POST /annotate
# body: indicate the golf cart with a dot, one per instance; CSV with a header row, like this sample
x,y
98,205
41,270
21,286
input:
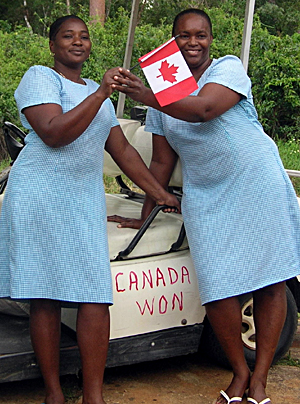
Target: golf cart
x,y
157,311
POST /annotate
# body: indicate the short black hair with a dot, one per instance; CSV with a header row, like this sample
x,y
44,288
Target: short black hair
x,y
55,26
197,11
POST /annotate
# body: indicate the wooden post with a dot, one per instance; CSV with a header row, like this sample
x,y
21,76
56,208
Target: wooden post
x,y
128,51
247,33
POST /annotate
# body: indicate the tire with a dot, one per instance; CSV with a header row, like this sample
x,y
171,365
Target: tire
x,y
212,348
294,286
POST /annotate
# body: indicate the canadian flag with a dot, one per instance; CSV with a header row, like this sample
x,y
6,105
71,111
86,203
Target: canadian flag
x,y
167,73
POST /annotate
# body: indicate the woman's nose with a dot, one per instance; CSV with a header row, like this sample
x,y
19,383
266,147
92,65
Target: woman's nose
x,y
77,40
193,40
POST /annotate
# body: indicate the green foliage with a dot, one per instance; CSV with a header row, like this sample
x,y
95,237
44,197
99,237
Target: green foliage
x,y
274,68
18,51
280,20
227,32
274,65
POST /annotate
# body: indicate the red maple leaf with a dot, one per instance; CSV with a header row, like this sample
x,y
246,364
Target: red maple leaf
x,y
168,72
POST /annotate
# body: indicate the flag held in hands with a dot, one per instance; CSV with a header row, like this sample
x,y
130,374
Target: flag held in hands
x,y
167,73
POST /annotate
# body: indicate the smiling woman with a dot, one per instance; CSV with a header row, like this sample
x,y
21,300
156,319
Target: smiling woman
x,y
240,210
53,241
70,46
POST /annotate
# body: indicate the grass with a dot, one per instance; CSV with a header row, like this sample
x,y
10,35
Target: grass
x,y
290,155
4,164
289,361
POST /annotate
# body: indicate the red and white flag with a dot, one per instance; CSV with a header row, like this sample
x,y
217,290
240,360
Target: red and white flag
x,y
167,73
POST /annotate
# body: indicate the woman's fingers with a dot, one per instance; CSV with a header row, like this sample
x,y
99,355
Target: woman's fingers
x,y
126,221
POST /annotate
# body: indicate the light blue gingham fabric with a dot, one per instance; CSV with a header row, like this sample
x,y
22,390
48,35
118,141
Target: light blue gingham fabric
x,y
240,209
53,241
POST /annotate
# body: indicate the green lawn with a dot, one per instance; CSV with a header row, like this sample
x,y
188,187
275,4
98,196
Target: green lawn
x,y
290,156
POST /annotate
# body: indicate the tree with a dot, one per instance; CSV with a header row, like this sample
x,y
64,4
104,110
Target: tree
x,y
97,10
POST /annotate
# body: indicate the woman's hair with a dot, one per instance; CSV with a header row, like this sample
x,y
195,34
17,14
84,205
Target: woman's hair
x,y
55,26
201,13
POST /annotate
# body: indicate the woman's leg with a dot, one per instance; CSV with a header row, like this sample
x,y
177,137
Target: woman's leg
x,y
45,336
93,337
225,318
269,315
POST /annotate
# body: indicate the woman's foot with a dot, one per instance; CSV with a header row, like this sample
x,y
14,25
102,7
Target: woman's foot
x,y
57,398
257,390
237,388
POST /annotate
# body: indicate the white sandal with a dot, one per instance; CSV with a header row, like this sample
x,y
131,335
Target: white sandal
x,y
231,400
251,400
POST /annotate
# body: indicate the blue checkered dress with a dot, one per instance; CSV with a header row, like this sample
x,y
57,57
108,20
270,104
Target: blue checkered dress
x,y
240,210
53,240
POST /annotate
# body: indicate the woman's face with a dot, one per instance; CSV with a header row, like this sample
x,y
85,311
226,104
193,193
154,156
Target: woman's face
x,y
72,44
194,39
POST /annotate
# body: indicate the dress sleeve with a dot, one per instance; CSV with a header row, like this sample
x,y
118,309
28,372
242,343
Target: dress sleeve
x,y
115,121
38,86
229,72
154,122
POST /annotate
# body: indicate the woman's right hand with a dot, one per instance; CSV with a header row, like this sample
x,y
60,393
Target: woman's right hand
x,y
126,221
131,85
106,87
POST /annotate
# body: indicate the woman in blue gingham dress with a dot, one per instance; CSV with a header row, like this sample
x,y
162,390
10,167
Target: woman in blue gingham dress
x,y
53,241
240,210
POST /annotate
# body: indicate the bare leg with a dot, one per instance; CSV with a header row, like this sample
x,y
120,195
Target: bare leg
x,y
45,337
269,315
225,318
93,337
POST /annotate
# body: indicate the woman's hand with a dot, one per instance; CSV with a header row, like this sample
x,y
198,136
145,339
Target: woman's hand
x,y
171,201
108,81
126,221
127,83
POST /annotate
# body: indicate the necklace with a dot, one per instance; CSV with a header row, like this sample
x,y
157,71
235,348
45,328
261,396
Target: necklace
x,y
80,81
57,71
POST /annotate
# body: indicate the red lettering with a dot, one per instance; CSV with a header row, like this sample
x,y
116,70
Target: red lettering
x,y
162,301
160,277
173,275
180,301
149,279
117,282
185,272
133,280
146,305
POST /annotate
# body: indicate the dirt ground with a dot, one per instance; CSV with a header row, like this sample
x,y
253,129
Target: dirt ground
x,y
182,380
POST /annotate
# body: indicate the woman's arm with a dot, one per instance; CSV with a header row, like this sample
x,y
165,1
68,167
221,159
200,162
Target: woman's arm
x,y
58,129
162,165
212,100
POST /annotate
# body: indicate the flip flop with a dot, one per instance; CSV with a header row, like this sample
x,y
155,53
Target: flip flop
x,y
251,400
230,400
